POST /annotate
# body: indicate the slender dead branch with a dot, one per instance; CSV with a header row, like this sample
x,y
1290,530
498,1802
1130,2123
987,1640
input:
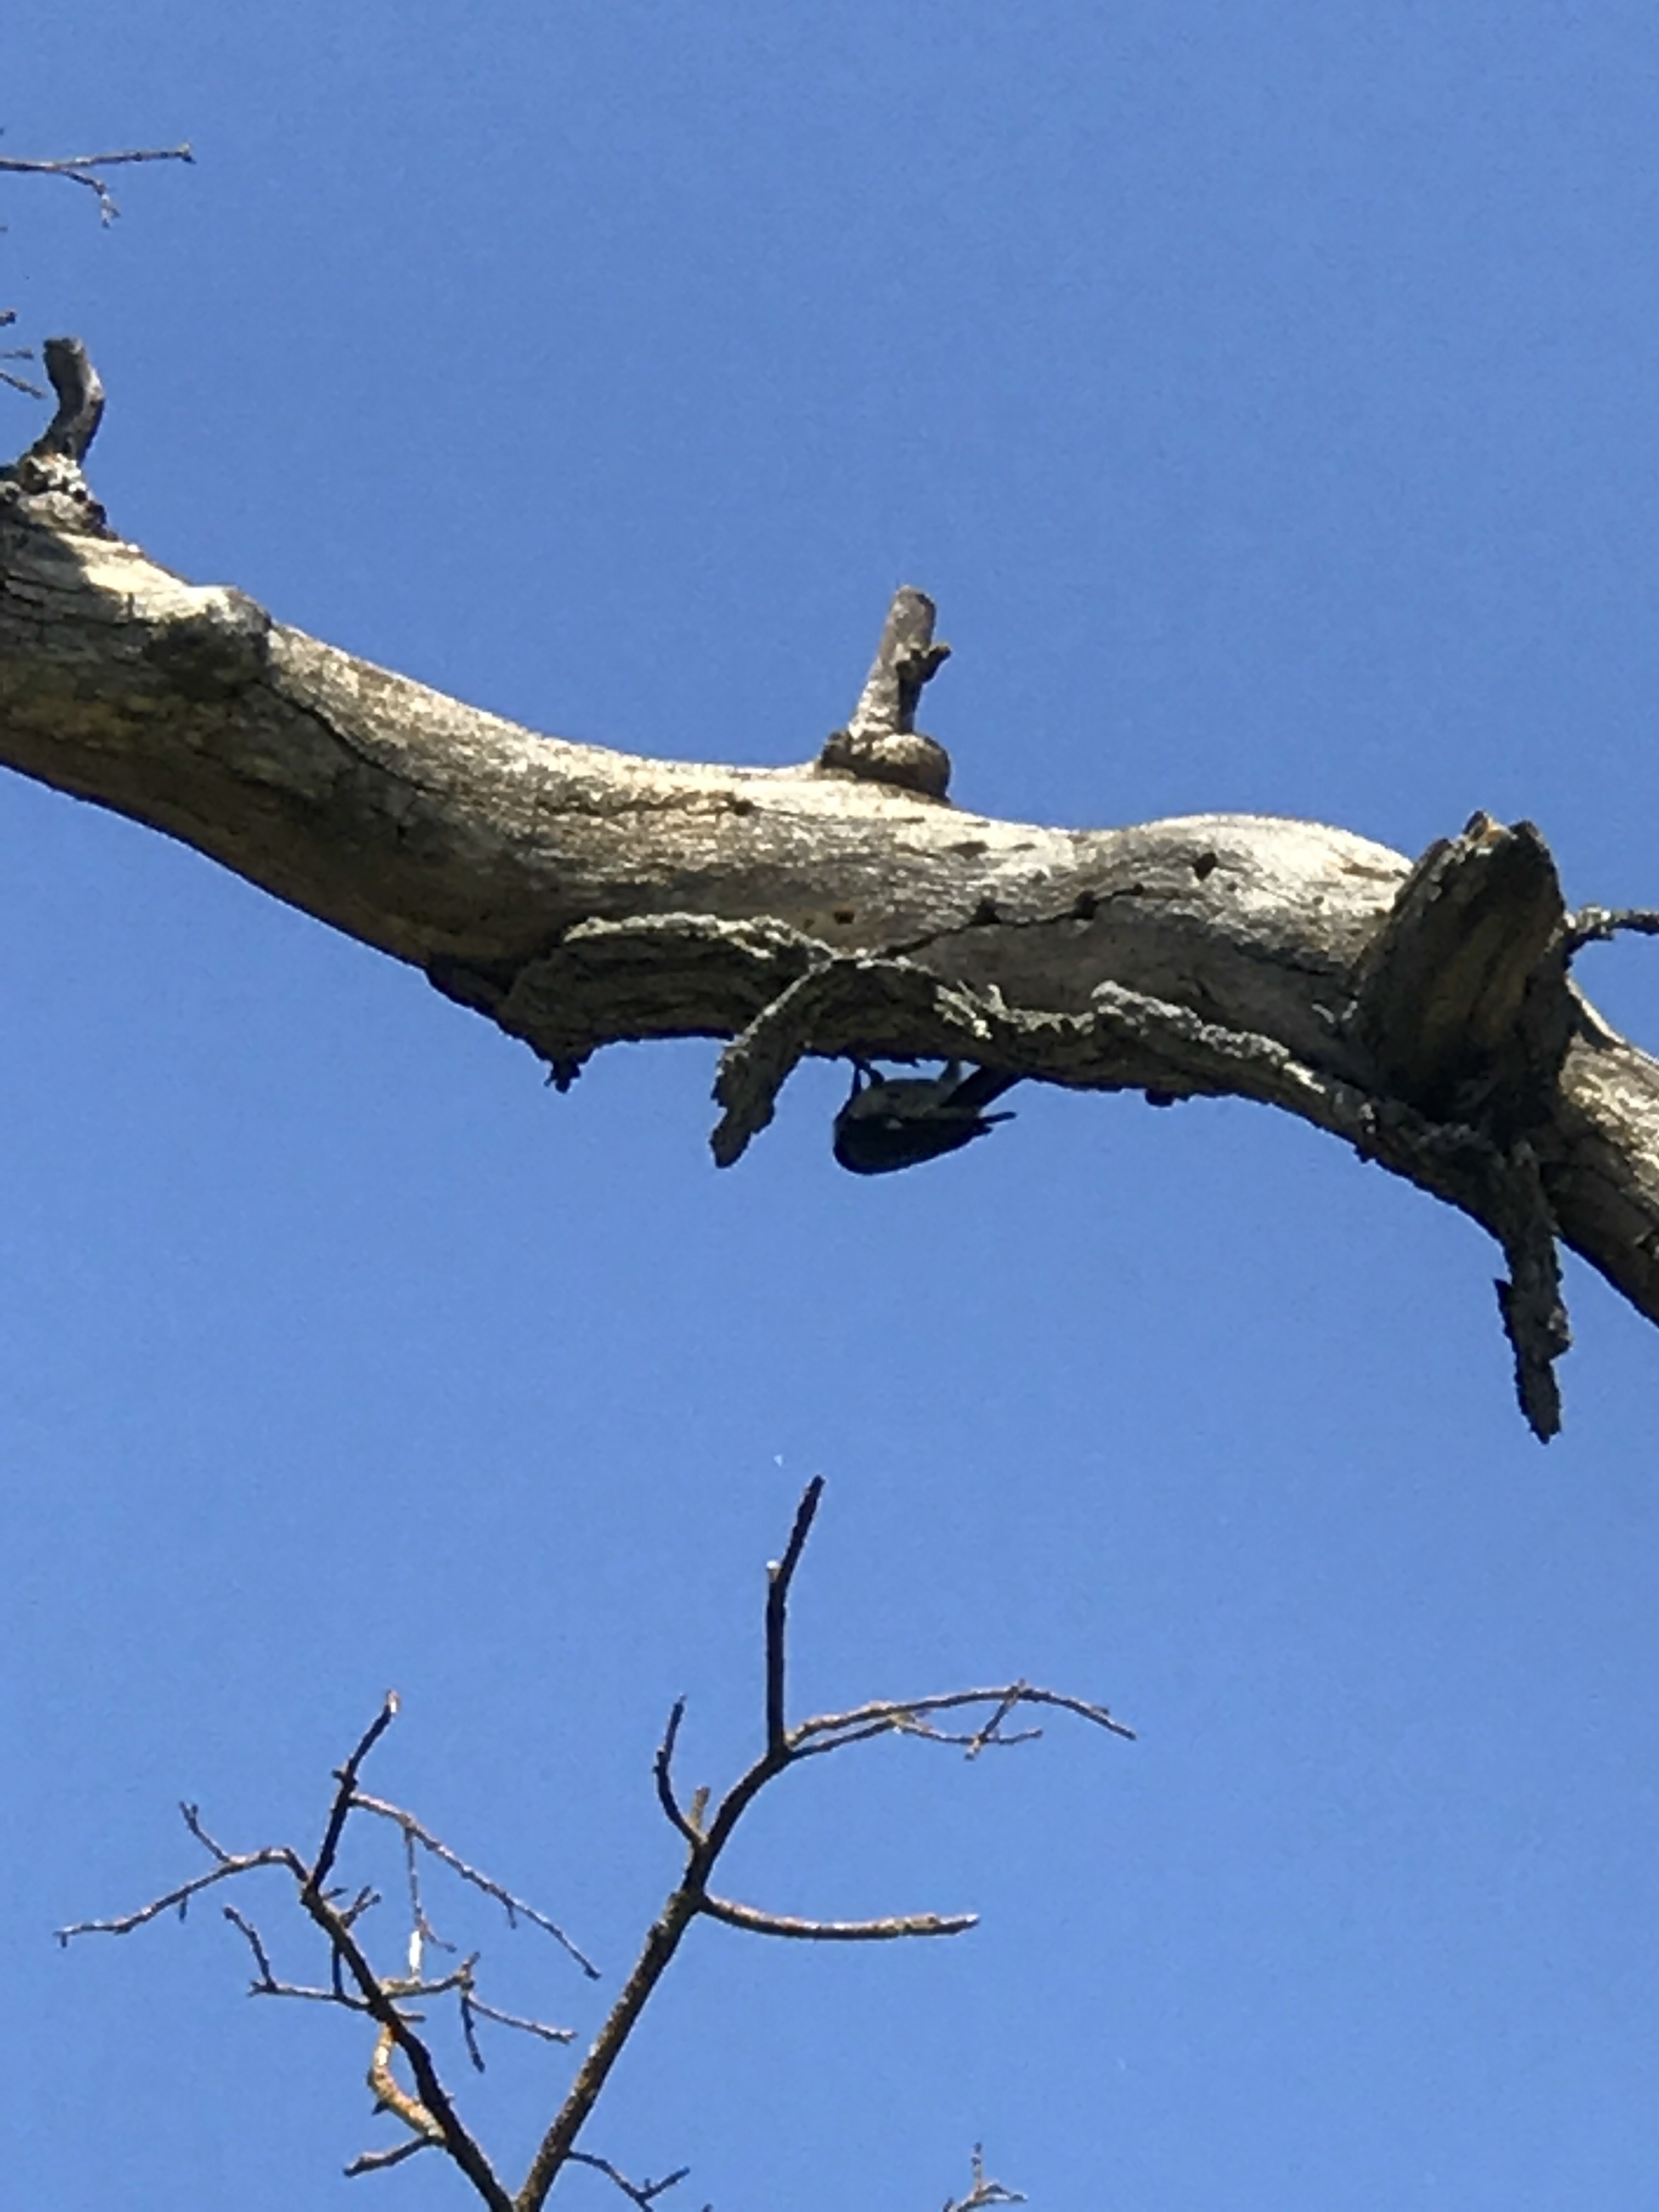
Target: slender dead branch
x,y
7,316
828,1730
525,2027
265,1981
836,1931
346,1775
662,1768
83,169
705,1836
377,2162
643,2193
779,1576
514,1907
984,2191
421,1930
178,1899
1600,925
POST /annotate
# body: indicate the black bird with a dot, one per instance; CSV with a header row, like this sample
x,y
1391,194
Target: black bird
x,y
892,1122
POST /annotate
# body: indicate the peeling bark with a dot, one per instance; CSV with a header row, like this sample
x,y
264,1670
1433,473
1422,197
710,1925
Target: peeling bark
x,y
578,897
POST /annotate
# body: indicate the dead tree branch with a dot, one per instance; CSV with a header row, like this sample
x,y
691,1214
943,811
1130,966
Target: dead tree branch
x,y
85,169
7,317
643,2193
705,1836
1424,1014
355,1985
983,2192
427,2112
78,169
514,1907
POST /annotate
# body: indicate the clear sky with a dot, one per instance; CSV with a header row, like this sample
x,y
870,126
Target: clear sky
x,y
1266,392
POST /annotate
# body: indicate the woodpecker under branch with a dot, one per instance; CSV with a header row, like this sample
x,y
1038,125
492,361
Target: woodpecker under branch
x,y
892,1123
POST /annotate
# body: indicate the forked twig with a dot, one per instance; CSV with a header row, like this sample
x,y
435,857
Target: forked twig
x,y
427,2113
705,1836
643,2193
514,1907
779,1576
983,2190
353,1984
82,169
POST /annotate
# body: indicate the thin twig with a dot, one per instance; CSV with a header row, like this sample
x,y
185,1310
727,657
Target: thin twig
x,y
273,1855
662,1768
887,1713
643,2193
539,2028
192,1817
346,1775
835,1931
17,353
1600,925
514,1907
421,1930
779,1576
81,169
267,1980
376,2161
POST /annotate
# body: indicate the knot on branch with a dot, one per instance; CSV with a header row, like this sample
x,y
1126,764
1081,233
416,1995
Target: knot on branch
x,y
881,743
1462,999
217,650
1463,1005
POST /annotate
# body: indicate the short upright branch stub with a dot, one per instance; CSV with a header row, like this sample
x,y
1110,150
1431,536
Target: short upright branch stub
x,y
881,743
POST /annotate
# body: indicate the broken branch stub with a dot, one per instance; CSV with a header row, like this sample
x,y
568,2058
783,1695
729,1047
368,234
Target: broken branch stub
x,y
881,743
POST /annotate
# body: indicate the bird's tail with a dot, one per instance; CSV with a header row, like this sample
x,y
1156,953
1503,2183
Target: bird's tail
x,y
978,1088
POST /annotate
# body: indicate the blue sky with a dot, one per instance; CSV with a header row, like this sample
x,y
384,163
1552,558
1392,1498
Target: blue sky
x,y
1266,395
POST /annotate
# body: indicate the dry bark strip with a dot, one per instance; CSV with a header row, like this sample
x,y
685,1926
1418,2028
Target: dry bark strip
x,y
579,896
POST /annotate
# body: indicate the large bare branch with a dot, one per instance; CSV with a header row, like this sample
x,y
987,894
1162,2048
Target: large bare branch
x,y
578,897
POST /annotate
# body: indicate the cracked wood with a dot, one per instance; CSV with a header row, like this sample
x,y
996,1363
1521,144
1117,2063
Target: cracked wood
x,y
579,896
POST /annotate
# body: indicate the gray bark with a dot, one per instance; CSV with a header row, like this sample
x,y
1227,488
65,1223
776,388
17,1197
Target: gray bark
x,y
578,897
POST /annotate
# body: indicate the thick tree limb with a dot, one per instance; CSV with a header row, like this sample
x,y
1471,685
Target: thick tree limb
x,y
578,897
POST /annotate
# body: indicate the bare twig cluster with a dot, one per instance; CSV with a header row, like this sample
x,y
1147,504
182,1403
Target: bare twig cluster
x,y
389,2001
7,317
392,2002
79,169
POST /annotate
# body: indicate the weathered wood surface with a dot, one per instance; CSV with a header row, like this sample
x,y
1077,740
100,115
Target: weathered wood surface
x,y
579,896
